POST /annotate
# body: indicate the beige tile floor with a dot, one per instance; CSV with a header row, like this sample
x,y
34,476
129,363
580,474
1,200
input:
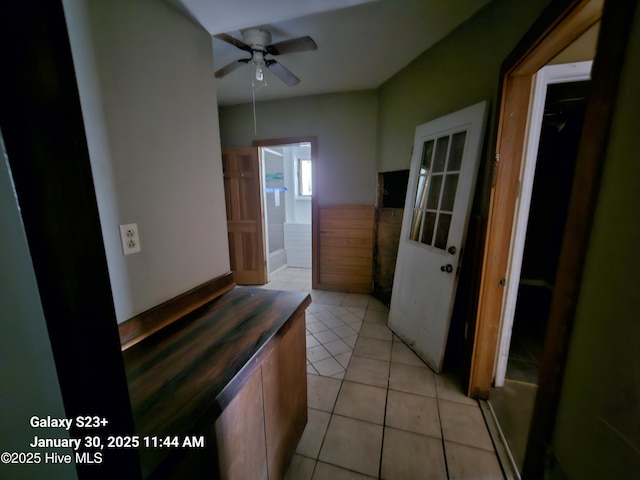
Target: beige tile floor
x,y
375,410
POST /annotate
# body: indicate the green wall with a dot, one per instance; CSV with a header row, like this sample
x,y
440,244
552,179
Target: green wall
x,y
361,133
598,429
461,70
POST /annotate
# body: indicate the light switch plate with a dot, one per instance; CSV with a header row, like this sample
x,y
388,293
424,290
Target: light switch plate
x,y
130,238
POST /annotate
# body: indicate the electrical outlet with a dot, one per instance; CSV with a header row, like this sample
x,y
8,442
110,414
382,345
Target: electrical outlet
x,y
130,238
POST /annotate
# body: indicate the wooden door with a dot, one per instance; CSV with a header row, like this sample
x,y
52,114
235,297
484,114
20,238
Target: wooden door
x,y
245,219
444,167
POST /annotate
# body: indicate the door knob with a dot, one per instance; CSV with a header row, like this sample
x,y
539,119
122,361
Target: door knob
x,y
447,268
452,250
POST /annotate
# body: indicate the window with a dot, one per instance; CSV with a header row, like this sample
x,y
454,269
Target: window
x,y
304,177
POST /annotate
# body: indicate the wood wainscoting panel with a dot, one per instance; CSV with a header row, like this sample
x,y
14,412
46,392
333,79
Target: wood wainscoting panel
x,y
346,248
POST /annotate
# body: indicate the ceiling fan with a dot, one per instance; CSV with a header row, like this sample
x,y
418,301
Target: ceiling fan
x,y
257,42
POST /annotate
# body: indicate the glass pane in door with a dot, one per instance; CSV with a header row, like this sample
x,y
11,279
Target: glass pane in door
x,y
427,152
440,156
442,232
421,191
436,189
427,229
415,225
457,147
449,193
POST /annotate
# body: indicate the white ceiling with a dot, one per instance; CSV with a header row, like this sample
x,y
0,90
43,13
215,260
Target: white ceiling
x,y
361,43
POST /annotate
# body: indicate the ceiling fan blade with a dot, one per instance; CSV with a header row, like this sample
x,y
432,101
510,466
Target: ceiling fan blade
x,y
231,67
282,73
299,44
234,41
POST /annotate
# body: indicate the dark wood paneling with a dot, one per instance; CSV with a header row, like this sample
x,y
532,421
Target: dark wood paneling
x,y
388,227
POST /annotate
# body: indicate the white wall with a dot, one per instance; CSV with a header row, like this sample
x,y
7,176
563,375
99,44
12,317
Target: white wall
x,y
145,76
297,242
298,208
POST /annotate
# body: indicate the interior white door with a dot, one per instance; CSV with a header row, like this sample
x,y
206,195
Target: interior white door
x,y
442,179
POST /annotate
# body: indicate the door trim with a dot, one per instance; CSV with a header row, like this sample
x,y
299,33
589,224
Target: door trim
x,y
549,37
556,28
552,74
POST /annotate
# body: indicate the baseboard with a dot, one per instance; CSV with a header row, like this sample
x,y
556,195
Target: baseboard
x,y
507,463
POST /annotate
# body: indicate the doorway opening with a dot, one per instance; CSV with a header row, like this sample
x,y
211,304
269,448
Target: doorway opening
x,y
557,28
287,188
548,173
289,167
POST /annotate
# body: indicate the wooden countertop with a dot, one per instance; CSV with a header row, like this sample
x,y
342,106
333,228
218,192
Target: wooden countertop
x,y
189,371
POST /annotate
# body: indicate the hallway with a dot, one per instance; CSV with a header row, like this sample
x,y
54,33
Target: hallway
x,y
375,410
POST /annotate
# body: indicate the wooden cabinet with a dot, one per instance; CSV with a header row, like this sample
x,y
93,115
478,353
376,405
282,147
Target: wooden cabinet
x,y
240,434
259,430
233,372
284,384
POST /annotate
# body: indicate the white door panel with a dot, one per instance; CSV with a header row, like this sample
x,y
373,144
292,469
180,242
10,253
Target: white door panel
x,y
441,182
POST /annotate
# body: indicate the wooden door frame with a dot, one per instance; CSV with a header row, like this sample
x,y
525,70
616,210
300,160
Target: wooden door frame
x,y
544,78
315,230
559,25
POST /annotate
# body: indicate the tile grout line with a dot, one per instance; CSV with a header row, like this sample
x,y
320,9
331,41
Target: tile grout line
x,y
351,349
384,418
333,408
332,414
438,397
444,448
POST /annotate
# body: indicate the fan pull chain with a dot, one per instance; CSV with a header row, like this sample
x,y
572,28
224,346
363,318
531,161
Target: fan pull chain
x,y
253,95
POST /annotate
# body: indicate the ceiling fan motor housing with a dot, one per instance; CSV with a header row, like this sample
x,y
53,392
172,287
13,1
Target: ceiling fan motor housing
x,y
256,38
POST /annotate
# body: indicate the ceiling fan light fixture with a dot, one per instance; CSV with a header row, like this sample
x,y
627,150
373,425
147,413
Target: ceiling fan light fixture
x,y
259,73
259,62
257,42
